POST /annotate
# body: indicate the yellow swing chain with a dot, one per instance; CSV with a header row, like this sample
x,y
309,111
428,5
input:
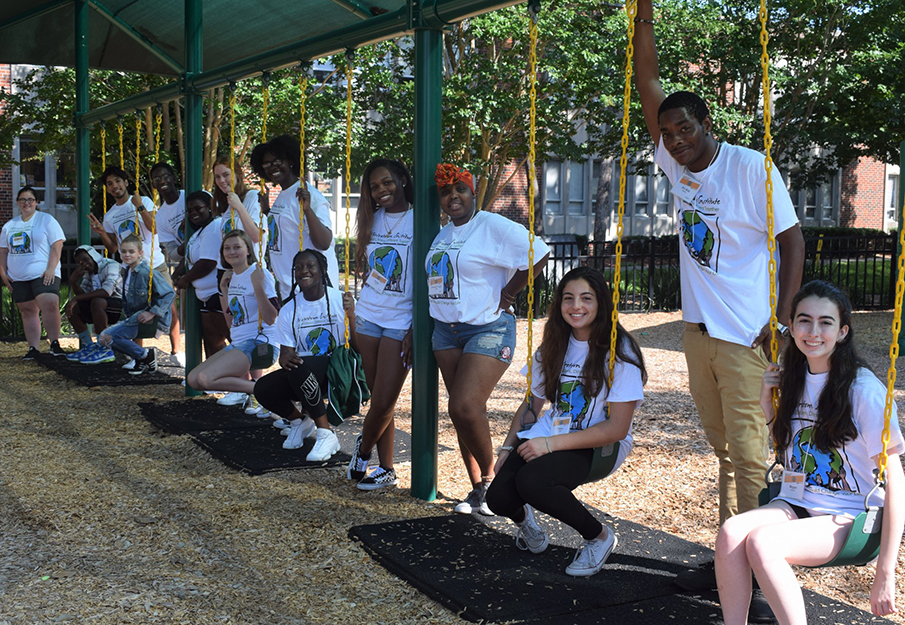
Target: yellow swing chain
x,y
631,9
348,175
532,177
303,94
122,156
893,354
265,78
104,168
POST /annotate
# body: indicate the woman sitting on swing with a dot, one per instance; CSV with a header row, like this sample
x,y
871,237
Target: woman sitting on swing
x,y
545,458
828,432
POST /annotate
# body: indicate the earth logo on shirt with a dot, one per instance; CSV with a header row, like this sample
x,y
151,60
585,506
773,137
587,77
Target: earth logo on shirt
x,y
698,237
441,265
237,312
320,342
227,223
126,228
20,243
273,234
572,400
388,263
826,469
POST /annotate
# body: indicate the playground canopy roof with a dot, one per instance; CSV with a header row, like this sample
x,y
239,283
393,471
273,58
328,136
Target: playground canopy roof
x,y
242,37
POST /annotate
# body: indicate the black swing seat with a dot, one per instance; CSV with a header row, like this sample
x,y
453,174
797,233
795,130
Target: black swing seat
x,y
262,356
602,463
147,330
862,545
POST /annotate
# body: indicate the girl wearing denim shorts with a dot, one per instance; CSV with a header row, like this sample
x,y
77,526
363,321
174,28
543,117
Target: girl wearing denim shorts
x,y
476,266
384,312
246,290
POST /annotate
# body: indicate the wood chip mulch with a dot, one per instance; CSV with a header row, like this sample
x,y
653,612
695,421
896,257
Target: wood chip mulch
x,y
107,520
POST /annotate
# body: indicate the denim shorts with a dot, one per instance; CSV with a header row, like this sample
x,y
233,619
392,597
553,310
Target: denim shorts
x,y
247,347
496,339
368,328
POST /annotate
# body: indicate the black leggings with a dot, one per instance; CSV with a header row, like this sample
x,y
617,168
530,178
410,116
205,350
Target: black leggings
x,y
307,384
546,484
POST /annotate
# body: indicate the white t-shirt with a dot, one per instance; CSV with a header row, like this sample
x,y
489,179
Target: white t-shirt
x,y
836,481
306,326
283,235
585,411
230,220
120,221
204,244
468,266
28,244
723,252
386,298
243,306
169,221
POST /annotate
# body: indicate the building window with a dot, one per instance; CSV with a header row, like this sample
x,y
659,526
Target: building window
x,y
818,205
32,169
646,196
577,188
553,188
892,199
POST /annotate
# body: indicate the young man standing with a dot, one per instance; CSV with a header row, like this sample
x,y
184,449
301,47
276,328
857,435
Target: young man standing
x,y
97,288
170,218
721,204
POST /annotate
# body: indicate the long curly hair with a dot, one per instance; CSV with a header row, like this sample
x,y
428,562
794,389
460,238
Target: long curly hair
x,y
835,424
595,371
366,208
221,204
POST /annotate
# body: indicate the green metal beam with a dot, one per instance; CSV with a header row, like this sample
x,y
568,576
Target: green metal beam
x,y
82,137
47,7
427,131
355,7
194,145
136,36
137,102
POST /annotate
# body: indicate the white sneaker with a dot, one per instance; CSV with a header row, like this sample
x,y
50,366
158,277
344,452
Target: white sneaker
x,y
530,536
327,444
263,413
282,424
130,365
252,405
232,399
180,358
299,430
592,555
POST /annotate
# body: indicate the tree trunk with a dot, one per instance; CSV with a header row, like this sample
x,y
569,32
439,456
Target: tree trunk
x,y
180,140
604,186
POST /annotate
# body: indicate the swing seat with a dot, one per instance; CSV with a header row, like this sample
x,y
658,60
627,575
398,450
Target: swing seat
x,y
147,330
262,356
602,462
862,545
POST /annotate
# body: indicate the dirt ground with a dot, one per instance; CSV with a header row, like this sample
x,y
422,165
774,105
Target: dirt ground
x,y
107,520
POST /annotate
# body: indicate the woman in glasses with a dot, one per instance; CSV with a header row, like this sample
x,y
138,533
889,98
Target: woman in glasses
x,y
30,248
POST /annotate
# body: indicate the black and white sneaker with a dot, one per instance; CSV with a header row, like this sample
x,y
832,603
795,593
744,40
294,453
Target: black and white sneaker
x,y
379,478
30,354
358,466
56,350
148,364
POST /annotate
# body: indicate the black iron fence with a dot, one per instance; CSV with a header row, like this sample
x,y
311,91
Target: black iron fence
x,y
864,264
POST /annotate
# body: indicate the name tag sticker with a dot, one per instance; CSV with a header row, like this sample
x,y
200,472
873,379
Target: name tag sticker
x,y
687,188
561,424
435,285
378,282
792,485
18,239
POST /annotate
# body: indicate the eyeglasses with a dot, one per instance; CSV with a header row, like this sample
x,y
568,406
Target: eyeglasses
x,y
272,164
27,200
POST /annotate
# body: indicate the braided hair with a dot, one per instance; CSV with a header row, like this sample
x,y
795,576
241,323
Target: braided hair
x,y
297,289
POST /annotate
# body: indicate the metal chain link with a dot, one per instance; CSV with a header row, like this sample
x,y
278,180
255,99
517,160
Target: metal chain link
x,y
348,175
893,354
532,179
303,94
104,168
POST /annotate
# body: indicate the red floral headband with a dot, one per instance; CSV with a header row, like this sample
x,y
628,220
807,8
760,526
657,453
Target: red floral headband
x,y
448,174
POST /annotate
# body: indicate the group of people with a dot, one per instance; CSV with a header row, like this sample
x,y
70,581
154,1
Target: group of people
x,y
283,307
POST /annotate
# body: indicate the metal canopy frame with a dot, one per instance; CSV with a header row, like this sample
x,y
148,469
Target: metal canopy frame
x,y
424,21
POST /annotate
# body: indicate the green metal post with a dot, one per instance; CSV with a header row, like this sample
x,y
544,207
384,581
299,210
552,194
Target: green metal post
x,y
194,142
82,133
428,109
901,201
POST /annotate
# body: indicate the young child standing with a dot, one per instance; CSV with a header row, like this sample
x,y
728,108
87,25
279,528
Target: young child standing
x,y
828,430
137,307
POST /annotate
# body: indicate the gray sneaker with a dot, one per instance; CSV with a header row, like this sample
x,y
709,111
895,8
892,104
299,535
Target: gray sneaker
x,y
475,502
530,536
592,555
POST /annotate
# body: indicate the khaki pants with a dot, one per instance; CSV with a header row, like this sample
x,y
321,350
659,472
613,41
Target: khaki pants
x,y
725,381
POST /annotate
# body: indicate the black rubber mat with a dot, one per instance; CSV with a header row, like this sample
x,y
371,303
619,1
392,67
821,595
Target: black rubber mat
x,y
187,416
471,565
108,374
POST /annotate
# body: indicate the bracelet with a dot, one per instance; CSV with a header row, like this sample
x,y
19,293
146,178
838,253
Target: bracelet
x,y
504,448
644,21
547,443
507,297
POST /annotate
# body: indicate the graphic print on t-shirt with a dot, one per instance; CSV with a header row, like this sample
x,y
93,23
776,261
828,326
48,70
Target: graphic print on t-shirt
x,y
126,228
441,266
319,341
821,468
387,261
273,234
572,400
237,311
20,243
701,235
